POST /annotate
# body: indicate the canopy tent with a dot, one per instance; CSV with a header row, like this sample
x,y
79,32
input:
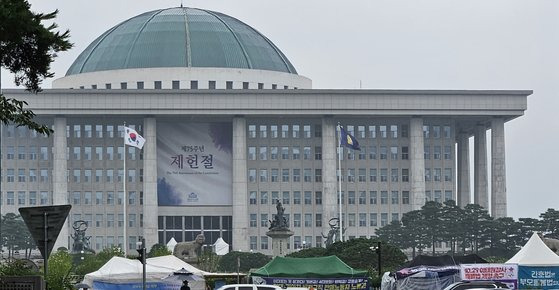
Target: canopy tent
x,y
120,272
221,247
171,244
535,253
318,267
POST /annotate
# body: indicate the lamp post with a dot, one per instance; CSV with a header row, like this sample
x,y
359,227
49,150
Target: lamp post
x,y
377,249
141,248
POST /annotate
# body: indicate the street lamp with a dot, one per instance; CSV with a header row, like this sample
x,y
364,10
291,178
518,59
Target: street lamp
x,y
377,249
141,248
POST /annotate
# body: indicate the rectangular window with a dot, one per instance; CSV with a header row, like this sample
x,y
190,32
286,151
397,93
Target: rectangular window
x,y
405,131
372,131
394,152
296,152
405,175
425,131
21,152
448,174
263,242
44,153
307,175
307,153
362,219
252,175
394,175
274,175
295,131
263,175
175,85
448,195
229,85
123,86
373,220
394,131
193,85
318,153
297,220
88,132
395,197
306,131
296,197
383,175
264,220
446,131
437,174
284,131
384,197
318,197
44,197
318,220
308,197
405,154
405,197
110,197
77,131
285,197
245,85
362,197
273,131
427,174
383,219
263,197
32,198
395,217
351,197
383,152
32,152
252,197
447,152
110,131
21,175
351,219
426,152
32,175
437,197
383,133
251,153
252,131
263,131
296,175
436,131
253,243
285,175
437,152
21,197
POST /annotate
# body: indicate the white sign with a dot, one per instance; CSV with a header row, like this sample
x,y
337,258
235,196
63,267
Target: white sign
x,y
494,272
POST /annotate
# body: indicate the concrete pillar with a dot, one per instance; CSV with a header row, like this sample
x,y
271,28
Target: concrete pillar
x,y
498,169
240,195
481,194
60,180
417,163
150,183
329,166
463,197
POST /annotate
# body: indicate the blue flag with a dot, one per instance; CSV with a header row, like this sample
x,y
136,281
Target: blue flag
x,y
347,140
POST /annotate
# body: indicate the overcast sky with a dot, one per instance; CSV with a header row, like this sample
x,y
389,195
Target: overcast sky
x,y
475,44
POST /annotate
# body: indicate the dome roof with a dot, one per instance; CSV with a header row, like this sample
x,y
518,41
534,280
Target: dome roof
x,y
181,37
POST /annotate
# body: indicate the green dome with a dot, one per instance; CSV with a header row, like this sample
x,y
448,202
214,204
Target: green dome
x,y
181,37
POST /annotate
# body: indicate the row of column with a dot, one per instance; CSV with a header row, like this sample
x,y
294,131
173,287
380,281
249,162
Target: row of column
x,y
498,168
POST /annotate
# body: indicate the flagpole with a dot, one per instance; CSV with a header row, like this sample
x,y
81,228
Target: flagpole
x,y
125,246
340,181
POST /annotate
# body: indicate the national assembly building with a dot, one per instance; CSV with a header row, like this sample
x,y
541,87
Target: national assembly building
x,y
231,128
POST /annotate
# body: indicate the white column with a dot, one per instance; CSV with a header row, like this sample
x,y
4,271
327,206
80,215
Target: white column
x,y
498,169
60,180
150,183
481,194
329,159
417,163
240,196
463,197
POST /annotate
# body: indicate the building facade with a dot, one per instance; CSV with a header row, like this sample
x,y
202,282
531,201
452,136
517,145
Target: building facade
x,y
230,128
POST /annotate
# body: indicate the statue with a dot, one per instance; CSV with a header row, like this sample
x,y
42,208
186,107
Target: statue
x,y
81,241
280,221
552,244
189,251
334,232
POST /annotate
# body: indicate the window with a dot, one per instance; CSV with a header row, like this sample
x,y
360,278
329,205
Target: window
x,y
383,152
318,153
296,197
425,131
351,219
296,175
308,197
251,131
426,152
318,131
77,131
383,175
284,131
405,153
110,176
308,220
382,130
351,197
285,153
362,219
437,152
285,175
405,131
253,243
264,242
263,132
252,197
87,131
32,175
21,197
383,219
318,175
384,197
108,86
295,131
285,197
274,175
110,197
405,197
448,195
44,153
394,175
296,152
436,131
448,174
251,153
394,131
32,152
10,198
44,197
229,85
245,85
306,131
252,175
394,152
447,152
110,131
395,217
318,220
193,85
76,175
131,197
395,197
123,86
446,132
362,172
264,220
10,175
76,197
263,175
362,197
405,175
427,174
21,152
318,197
21,175
372,131
297,220
438,196
437,174
373,152
77,153
87,197
131,175
274,131
44,175
373,219
32,198
307,175
307,153
120,220
263,197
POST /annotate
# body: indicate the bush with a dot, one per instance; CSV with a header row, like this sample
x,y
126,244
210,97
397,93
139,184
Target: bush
x,y
228,263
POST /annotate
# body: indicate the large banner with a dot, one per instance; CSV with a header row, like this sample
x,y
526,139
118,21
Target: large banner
x,y
194,163
506,273
538,277
316,283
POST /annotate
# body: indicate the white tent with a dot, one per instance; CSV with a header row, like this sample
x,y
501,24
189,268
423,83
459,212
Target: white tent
x,y
171,244
120,270
535,253
221,247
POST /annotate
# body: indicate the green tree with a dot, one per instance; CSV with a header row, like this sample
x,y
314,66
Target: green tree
x,y
431,222
502,233
15,235
550,222
208,261
14,267
27,48
228,262
415,235
309,253
526,227
59,270
158,250
476,220
452,224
